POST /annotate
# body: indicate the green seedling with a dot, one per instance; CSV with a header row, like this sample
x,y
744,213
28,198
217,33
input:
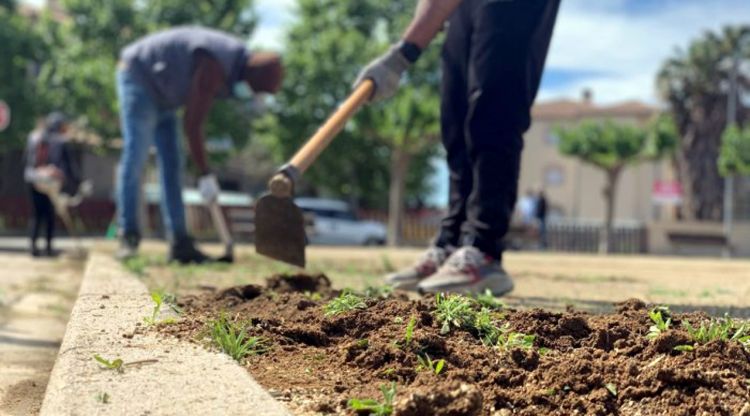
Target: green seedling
x,y
662,320
115,364
510,339
375,292
102,397
453,310
612,388
345,302
487,300
684,348
485,324
362,343
234,341
313,296
719,329
376,408
159,299
426,363
409,334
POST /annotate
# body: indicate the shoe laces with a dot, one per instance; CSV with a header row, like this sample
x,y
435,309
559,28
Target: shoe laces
x,y
466,258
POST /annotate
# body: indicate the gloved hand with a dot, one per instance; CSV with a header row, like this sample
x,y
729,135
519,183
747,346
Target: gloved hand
x,y
209,188
385,72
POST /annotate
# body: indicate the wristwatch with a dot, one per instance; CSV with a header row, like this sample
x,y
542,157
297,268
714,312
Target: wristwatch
x,y
410,50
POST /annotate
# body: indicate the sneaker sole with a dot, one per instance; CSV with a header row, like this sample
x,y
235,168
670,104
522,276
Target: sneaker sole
x,y
497,288
408,285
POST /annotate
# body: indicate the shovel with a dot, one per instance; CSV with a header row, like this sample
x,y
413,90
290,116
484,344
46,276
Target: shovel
x,y
221,226
279,223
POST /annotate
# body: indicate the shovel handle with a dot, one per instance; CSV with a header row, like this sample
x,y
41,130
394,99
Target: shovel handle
x,y
220,223
325,134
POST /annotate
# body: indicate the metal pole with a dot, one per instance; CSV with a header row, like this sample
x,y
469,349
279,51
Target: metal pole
x,y
729,179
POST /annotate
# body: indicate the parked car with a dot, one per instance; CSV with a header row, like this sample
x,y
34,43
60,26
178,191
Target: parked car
x,y
335,223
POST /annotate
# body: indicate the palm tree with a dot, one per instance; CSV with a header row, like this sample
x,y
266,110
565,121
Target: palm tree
x,y
694,83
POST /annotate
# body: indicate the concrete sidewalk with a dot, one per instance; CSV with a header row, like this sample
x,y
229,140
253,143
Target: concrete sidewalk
x,y
161,376
36,296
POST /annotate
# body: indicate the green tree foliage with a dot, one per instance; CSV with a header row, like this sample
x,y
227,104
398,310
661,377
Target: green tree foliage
x,y
734,158
331,41
20,49
694,81
79,78
611,147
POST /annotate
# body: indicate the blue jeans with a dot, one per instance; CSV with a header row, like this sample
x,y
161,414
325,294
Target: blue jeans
x,y
144,123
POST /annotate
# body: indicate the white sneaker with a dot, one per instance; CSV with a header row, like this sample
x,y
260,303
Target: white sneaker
x,y
468,270
426,266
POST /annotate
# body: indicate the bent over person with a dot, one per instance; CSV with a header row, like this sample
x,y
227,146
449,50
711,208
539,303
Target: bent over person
x,y
493,59
184,67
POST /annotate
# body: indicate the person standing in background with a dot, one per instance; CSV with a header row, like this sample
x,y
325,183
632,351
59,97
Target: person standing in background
x,y
540,213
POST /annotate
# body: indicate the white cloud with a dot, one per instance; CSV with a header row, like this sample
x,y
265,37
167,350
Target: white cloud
x,y
275,18
604,36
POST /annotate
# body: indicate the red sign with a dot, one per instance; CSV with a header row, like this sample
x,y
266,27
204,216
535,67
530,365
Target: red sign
x,y
666,192
4,115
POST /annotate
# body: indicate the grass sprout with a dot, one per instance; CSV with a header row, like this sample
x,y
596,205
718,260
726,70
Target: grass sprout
x,y
426,363
488,300
453,310
662,319
345,302
115,364
714,329
409,334
233,339
376,408
485,323
510,339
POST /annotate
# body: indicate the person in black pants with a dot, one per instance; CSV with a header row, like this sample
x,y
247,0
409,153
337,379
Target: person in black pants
x,y
47,163
493,59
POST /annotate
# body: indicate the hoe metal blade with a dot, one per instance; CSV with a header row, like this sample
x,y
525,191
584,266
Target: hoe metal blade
x,y
280,230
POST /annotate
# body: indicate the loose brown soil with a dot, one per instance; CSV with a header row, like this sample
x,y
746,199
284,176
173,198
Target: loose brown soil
x,y
588,365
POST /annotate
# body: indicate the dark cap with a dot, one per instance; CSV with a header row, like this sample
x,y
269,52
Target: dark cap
x,y
55,121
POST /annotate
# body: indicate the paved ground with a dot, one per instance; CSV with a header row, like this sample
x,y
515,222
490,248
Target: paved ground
x,y
35,300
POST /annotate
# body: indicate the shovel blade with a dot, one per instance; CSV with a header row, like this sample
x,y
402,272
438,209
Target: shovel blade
x,y
280,230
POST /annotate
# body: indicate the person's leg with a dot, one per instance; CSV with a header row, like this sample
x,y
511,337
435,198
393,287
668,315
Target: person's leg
x,y
508,46
453,108
169,156
508,51
138,115
36,218
49,214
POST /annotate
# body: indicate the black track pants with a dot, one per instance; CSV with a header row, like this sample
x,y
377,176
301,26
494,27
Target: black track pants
x,y
493,60
44,212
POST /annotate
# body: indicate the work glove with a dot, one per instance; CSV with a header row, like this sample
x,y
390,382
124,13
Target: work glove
x,y
209,188
385,72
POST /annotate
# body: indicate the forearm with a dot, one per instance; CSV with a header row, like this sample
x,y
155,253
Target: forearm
x,y
428,20
196,144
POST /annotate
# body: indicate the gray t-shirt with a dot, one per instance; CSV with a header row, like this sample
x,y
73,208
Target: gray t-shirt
x,y
164,61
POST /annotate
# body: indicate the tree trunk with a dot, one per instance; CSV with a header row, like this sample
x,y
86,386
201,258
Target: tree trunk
x,y
400,161
610,193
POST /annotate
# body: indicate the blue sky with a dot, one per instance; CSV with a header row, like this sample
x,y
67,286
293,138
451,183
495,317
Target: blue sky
x,y
614,47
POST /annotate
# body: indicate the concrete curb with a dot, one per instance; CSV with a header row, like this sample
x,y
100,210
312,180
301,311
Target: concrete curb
x,y
172,378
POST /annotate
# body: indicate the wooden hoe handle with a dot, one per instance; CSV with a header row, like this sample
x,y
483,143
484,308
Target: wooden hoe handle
x,y
325,134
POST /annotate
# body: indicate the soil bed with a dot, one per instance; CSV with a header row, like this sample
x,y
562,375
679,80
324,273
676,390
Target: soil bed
x,y
579,363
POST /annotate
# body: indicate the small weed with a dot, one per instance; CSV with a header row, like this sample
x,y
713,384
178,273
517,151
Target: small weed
x,y
136,265
345,302
612,388
453,310
550,392
389,372
159,299
511,339
719,329
487,300
374,292
234,341
662,319
485,323
362,343
409,334
426,363
376,408
313,296
115,364
684,348
102,397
